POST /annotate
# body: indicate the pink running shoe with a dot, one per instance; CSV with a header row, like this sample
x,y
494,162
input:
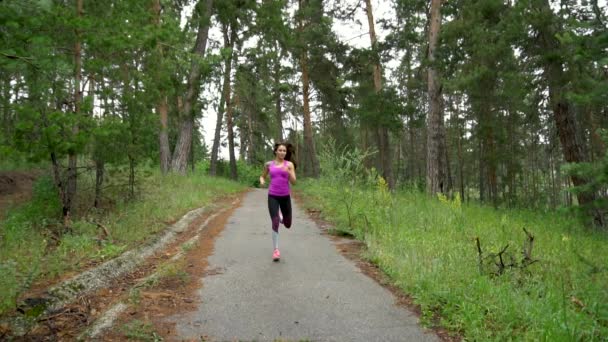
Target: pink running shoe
x,y
276,255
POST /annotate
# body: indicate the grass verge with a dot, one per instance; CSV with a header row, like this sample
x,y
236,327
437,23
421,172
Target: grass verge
x,y
31,251
428,248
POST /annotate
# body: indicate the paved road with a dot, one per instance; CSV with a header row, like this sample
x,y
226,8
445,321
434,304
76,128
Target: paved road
x,y
313,293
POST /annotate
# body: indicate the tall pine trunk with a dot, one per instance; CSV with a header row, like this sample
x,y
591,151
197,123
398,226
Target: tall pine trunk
x,y
573,146
97,160
162,107
435,170
184,141
72,156
382,131
311,162
228,43
230,128
6,107
492,179
251,147
277,95
310,155
165,151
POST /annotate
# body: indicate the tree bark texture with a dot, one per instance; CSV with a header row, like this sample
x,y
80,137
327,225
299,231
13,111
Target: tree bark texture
x,y
165,151
383,141
230,128
435,175
277,97
184,141
162,107
310,155
311,163
6,107
99,177
573,146
251,144
228,43
72,156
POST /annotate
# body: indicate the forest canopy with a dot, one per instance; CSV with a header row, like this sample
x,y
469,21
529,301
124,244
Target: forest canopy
x,y
494,101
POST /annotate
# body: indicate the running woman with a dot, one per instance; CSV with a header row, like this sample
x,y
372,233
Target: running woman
x,y
282,171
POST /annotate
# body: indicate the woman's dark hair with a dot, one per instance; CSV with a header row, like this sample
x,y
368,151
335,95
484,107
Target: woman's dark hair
x,y
290,155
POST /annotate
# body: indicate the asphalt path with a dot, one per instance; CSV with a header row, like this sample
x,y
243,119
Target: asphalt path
x,y
312,294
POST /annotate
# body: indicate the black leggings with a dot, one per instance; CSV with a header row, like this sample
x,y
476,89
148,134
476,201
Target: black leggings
x,y
276,202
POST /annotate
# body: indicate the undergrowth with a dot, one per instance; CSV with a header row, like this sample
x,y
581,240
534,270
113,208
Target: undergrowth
x,y
428,247
34,247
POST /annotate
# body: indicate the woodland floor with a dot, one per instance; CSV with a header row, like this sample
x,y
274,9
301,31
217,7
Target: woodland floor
x,y
171,295
15,188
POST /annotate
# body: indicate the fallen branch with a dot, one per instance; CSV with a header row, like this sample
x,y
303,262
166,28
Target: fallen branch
x,y
501,265
104,229
527,249
499,262
479,255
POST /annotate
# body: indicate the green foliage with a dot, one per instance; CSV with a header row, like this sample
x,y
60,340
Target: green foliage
x,y
140,331
343,165
596,175
9,283
31,251
23,240
427,246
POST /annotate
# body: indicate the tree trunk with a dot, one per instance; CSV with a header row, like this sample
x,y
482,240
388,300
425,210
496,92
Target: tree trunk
x,y
251,145
382,134
162,108
128,112
277,95
192,149
229,44
6,107
460,166
56,168
573,146
242,146
165,151
99,163
459,153
310,156
490,150
72,157
184,141
99,174
229,126
413,151
131,177
311,162
511,172
482,167
435,175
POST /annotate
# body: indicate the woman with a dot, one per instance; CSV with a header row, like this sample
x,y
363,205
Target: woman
x,y
282,172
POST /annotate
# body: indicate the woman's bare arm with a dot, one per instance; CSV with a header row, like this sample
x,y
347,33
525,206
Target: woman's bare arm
x,y
292,173
264,174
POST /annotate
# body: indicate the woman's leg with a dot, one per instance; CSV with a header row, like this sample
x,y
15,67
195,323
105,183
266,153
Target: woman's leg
x,y
285,204
273,210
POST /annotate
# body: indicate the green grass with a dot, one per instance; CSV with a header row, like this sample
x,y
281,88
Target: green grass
x,y
30,251
427,246
140,331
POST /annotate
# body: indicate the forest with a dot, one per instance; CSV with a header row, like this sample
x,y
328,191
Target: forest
x,y
497,104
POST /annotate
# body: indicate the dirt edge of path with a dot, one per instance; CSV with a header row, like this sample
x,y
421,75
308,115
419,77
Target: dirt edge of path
x,y
353,249
146,316
68,322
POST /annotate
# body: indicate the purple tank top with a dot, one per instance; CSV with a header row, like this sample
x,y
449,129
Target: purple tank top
x,y
279,179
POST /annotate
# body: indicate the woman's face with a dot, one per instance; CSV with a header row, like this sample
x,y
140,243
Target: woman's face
x,y
281,151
